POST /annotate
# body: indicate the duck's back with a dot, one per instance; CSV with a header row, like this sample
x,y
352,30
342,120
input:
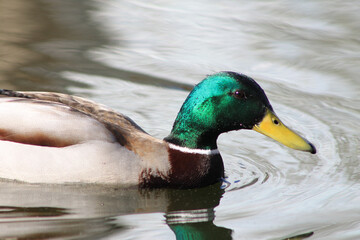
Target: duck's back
x,y
57,138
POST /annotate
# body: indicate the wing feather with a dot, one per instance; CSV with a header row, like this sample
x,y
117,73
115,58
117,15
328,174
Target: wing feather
x,y
125,130
44,123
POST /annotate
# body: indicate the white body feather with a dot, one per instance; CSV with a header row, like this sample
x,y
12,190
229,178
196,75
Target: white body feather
x,y
96,157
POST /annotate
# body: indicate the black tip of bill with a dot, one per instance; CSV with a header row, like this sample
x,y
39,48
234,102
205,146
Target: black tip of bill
x,y
313,148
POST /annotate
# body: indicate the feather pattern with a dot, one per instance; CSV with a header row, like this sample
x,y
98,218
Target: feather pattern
x,y
62,129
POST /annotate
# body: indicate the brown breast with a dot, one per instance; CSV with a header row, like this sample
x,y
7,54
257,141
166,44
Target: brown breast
x,y
188,170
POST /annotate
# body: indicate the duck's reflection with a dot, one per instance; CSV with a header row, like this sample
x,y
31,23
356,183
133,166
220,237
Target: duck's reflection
x,y
197,231
73,211
190,214
31,211
196,224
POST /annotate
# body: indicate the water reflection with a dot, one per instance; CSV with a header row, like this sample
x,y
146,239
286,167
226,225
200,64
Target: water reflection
x,y
93,210
35,228
24,212
194,220
200,231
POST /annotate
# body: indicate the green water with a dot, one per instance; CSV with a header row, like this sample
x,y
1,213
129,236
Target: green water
x,y
141,58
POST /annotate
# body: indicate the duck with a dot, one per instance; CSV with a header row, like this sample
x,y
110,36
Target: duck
x,y
56,138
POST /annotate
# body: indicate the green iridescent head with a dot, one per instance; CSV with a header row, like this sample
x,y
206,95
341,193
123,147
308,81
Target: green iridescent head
x,y
224,102
221,102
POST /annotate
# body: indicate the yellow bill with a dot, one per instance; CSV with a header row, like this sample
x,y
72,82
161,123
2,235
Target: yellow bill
x,y
272,127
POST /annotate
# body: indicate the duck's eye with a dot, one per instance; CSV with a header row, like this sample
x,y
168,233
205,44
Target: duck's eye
x,y
240,94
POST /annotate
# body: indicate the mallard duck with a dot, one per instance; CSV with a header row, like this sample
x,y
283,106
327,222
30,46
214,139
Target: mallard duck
x,y
57,138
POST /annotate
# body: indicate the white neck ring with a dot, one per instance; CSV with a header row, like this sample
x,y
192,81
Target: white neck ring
x,y
195,151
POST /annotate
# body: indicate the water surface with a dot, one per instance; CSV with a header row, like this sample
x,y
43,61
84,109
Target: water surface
x,y
142,58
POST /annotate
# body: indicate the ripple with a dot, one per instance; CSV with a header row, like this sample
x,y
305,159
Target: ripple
x,y
190,216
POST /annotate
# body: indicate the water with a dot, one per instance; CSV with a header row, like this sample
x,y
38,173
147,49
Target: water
x,y
141,58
